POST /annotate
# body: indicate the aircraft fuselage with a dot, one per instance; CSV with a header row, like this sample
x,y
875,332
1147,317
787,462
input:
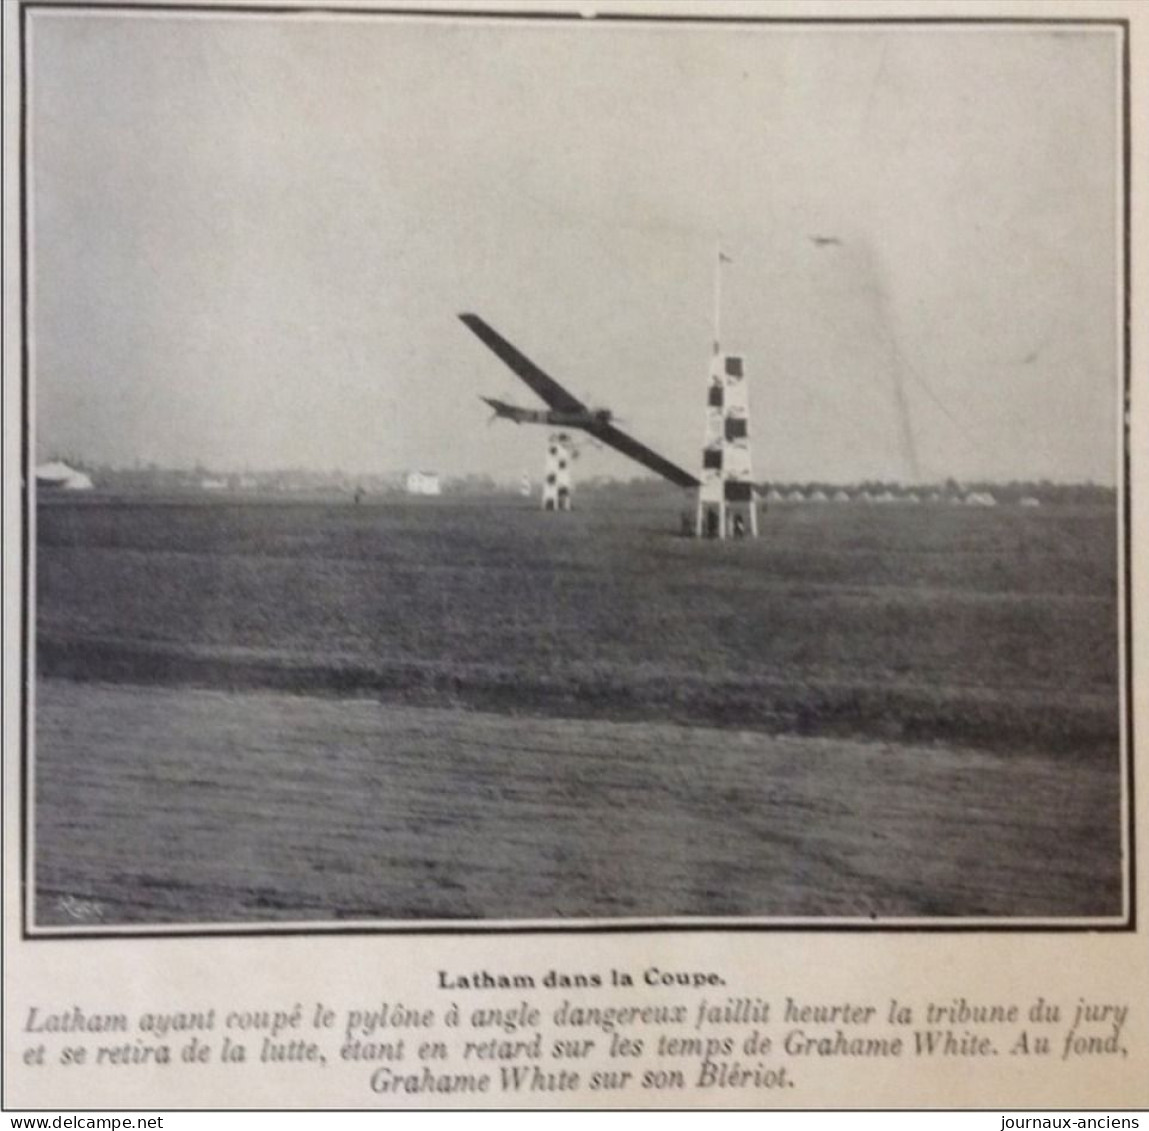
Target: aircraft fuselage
x,y
556,418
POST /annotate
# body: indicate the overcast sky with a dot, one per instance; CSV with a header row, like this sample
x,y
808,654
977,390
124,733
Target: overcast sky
x,y
251,237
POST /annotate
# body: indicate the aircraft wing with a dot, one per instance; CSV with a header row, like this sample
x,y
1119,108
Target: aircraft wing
x,y
640,453
542,384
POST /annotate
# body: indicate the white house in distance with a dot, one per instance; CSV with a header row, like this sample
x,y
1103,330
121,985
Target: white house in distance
x,y
58,476
980,499
423,483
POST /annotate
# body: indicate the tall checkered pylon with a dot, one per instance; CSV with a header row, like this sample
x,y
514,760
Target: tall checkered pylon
x,y
557,480
727,503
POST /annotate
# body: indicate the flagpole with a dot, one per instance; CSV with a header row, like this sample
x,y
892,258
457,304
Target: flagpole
x,y
717,297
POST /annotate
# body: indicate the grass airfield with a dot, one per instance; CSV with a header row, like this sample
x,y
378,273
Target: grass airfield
x,y
465,709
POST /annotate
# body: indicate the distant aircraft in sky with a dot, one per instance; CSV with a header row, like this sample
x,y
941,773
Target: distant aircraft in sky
x,y
565,410
825,241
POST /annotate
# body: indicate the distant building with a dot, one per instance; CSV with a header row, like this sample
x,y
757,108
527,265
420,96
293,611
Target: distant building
x,y
58,476
1030,501
423,483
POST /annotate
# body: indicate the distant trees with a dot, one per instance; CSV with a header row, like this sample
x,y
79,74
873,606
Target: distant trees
x,y
149,477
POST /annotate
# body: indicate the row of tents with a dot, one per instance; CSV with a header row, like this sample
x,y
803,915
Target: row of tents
x,y
969,499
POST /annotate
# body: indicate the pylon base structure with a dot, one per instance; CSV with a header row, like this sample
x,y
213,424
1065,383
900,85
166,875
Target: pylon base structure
x,y
557,486
727,501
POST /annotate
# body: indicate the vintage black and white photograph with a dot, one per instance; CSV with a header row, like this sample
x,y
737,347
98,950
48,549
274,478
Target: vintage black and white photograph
x,y
528,469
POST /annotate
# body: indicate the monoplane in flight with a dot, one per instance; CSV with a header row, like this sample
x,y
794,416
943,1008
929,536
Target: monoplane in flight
x,y
565,410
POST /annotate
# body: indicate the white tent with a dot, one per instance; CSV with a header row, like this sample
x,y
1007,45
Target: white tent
x,y
423,483
57,475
